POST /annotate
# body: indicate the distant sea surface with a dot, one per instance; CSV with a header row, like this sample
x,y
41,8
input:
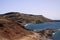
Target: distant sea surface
x,y
46,25
42,26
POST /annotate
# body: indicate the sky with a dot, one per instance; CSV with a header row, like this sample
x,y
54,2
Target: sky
x,y
47,8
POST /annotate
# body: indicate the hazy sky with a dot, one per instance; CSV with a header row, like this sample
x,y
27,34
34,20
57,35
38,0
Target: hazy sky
x,y
47,8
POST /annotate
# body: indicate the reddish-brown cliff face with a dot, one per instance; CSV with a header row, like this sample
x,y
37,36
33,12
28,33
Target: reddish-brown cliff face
x,y
11,26
12,30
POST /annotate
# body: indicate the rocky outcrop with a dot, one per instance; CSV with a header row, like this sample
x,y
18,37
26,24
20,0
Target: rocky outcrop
x,y
11,27
11,30
47,33
26,18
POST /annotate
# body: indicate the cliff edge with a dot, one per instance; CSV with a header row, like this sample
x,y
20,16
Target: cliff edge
x,y
26,18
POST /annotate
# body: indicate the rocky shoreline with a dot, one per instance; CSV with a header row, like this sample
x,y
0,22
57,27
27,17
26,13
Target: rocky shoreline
x,y
14,30
10,30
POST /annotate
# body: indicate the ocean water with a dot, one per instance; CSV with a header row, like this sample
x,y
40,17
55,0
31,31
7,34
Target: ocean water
x,y
56,36
42,26
46,25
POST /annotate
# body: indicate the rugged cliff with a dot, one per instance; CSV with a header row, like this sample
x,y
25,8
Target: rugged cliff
x,y
11,30
26,18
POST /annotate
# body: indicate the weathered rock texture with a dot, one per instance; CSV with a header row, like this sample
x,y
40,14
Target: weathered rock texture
x,y
11,30
26,18
11,27
47,33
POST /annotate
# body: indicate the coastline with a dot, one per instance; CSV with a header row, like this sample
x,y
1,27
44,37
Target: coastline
x,y
46,34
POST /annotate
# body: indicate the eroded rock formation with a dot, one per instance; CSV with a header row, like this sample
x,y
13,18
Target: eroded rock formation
x,y
26,18
11,30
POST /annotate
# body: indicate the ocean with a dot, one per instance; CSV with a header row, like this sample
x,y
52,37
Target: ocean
x,y
45,25
56,36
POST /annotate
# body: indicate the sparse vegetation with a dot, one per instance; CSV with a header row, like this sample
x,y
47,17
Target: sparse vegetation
x,y
26,18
